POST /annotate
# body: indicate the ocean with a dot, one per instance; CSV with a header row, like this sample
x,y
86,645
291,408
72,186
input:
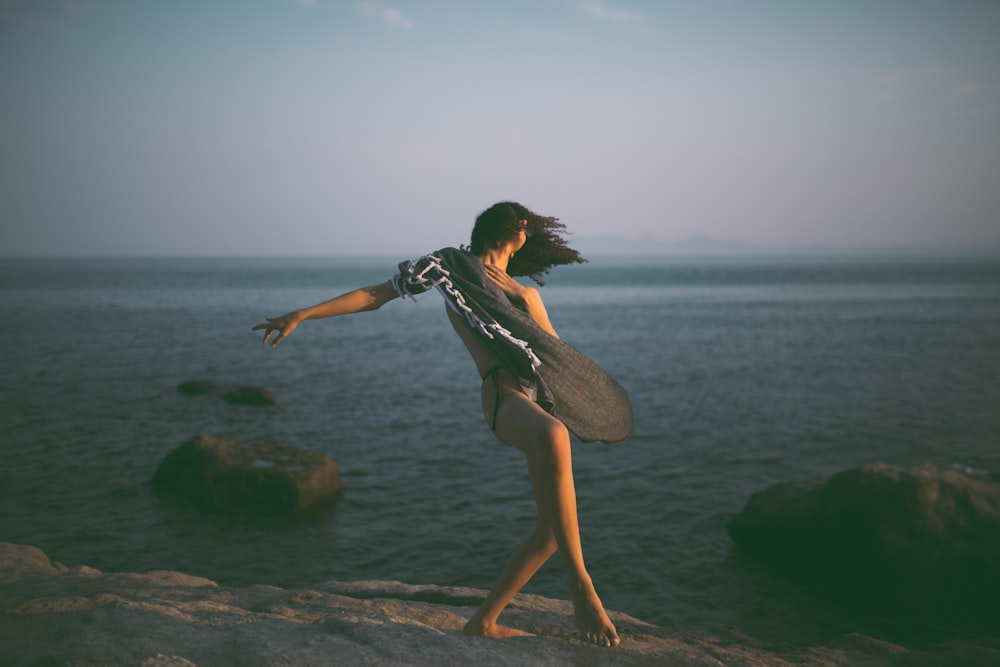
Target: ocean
x,y
744,372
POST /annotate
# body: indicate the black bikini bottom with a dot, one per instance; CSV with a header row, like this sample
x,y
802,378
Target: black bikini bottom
x,y
494,373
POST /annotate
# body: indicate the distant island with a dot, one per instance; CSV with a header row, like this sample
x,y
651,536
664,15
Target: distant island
x,y
649,245
704,245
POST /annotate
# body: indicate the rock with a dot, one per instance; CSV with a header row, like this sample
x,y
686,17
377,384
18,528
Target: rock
x,y
16,560
168,619
249,396
922,542
261,475
234,396
200,388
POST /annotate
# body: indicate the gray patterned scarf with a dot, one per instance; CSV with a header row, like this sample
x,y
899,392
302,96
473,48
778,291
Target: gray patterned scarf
x,y
564,381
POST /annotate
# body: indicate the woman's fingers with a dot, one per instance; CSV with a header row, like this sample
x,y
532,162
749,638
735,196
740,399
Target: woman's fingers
x,y
272,325
284,329
505,282
268,330
499,276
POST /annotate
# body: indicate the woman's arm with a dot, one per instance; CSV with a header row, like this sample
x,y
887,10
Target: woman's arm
x,y
526,296
355,301
532,302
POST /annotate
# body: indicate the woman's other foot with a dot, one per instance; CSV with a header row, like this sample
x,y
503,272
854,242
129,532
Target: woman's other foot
x,y
476,628
591,619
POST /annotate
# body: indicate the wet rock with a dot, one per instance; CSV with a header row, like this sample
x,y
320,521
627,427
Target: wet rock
x,y
18,560
249,396
923,541
200,388
232,395
261,475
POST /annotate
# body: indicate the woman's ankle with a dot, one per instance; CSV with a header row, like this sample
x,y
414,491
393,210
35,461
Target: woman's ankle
x,y
580,585
478,628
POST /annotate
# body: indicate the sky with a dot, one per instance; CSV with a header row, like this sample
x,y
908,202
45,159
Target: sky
x,y
332,127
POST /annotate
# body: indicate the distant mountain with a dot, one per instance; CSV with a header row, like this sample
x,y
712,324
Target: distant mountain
x,y
709,245
649,245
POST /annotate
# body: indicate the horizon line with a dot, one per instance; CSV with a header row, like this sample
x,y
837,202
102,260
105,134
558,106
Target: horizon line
x,y
845,251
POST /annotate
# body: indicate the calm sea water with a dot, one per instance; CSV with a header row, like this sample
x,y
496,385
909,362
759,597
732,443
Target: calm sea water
x,y
743,372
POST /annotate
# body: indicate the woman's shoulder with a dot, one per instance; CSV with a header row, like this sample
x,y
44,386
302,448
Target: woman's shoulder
x,y
445,258
451,255
452,251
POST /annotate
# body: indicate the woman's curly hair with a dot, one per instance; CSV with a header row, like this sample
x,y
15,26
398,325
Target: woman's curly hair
x,y
544,248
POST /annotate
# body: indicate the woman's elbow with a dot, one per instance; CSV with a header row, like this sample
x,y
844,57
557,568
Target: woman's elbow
x,y
378,295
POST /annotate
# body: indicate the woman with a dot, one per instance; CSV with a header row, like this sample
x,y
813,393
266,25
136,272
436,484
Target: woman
x,y
535,390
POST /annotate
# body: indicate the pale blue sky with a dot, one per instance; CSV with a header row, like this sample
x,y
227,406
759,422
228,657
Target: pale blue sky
x,y
144,127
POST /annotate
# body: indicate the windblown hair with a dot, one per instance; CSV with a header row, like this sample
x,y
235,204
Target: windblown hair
x,y
544,248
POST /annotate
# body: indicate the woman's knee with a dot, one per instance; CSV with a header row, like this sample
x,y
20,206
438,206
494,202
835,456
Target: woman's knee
x,y
544,540
551,442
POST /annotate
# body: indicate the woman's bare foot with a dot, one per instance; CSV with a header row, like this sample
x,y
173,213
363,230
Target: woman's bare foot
x,y
591,619
476,628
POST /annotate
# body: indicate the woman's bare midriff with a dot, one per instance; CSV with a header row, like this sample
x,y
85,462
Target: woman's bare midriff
x,y
485,362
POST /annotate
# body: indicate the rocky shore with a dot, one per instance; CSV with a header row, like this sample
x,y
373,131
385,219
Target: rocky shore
x,y
56,615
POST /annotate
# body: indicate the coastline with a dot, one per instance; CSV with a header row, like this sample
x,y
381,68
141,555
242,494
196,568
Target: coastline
x,y
57,615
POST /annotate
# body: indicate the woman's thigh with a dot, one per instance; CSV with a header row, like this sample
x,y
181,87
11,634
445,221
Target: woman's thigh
x,y
523,424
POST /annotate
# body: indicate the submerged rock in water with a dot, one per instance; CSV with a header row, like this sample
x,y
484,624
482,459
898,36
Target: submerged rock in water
x,y
923,541
200,388
261,475
233,395
249,396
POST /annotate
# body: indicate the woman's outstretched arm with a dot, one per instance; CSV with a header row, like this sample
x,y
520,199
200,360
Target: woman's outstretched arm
x,y
355,301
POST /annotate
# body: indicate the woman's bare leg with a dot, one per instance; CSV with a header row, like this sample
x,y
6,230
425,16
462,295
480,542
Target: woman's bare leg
x,y
520,567
523,563
545,441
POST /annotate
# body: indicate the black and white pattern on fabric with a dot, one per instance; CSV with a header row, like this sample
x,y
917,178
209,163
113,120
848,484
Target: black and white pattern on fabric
x,y
562,380
418,276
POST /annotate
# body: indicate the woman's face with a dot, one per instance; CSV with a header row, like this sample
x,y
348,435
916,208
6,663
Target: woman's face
x,y
522,234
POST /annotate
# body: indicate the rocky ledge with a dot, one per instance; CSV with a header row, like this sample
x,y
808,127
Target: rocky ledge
x,y
54,615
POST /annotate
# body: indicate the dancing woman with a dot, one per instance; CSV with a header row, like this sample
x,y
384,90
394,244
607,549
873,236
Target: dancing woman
x,y
535,388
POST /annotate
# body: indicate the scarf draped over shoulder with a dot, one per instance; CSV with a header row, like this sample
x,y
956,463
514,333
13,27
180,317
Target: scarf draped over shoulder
x,y
564,381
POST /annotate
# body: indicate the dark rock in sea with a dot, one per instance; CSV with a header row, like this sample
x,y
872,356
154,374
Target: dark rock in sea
x,y
265,476
249,396
232,395
916,543
200,388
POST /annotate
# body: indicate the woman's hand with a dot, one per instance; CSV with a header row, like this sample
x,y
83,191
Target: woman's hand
x,y
355,301
527,297
284,325
514,290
